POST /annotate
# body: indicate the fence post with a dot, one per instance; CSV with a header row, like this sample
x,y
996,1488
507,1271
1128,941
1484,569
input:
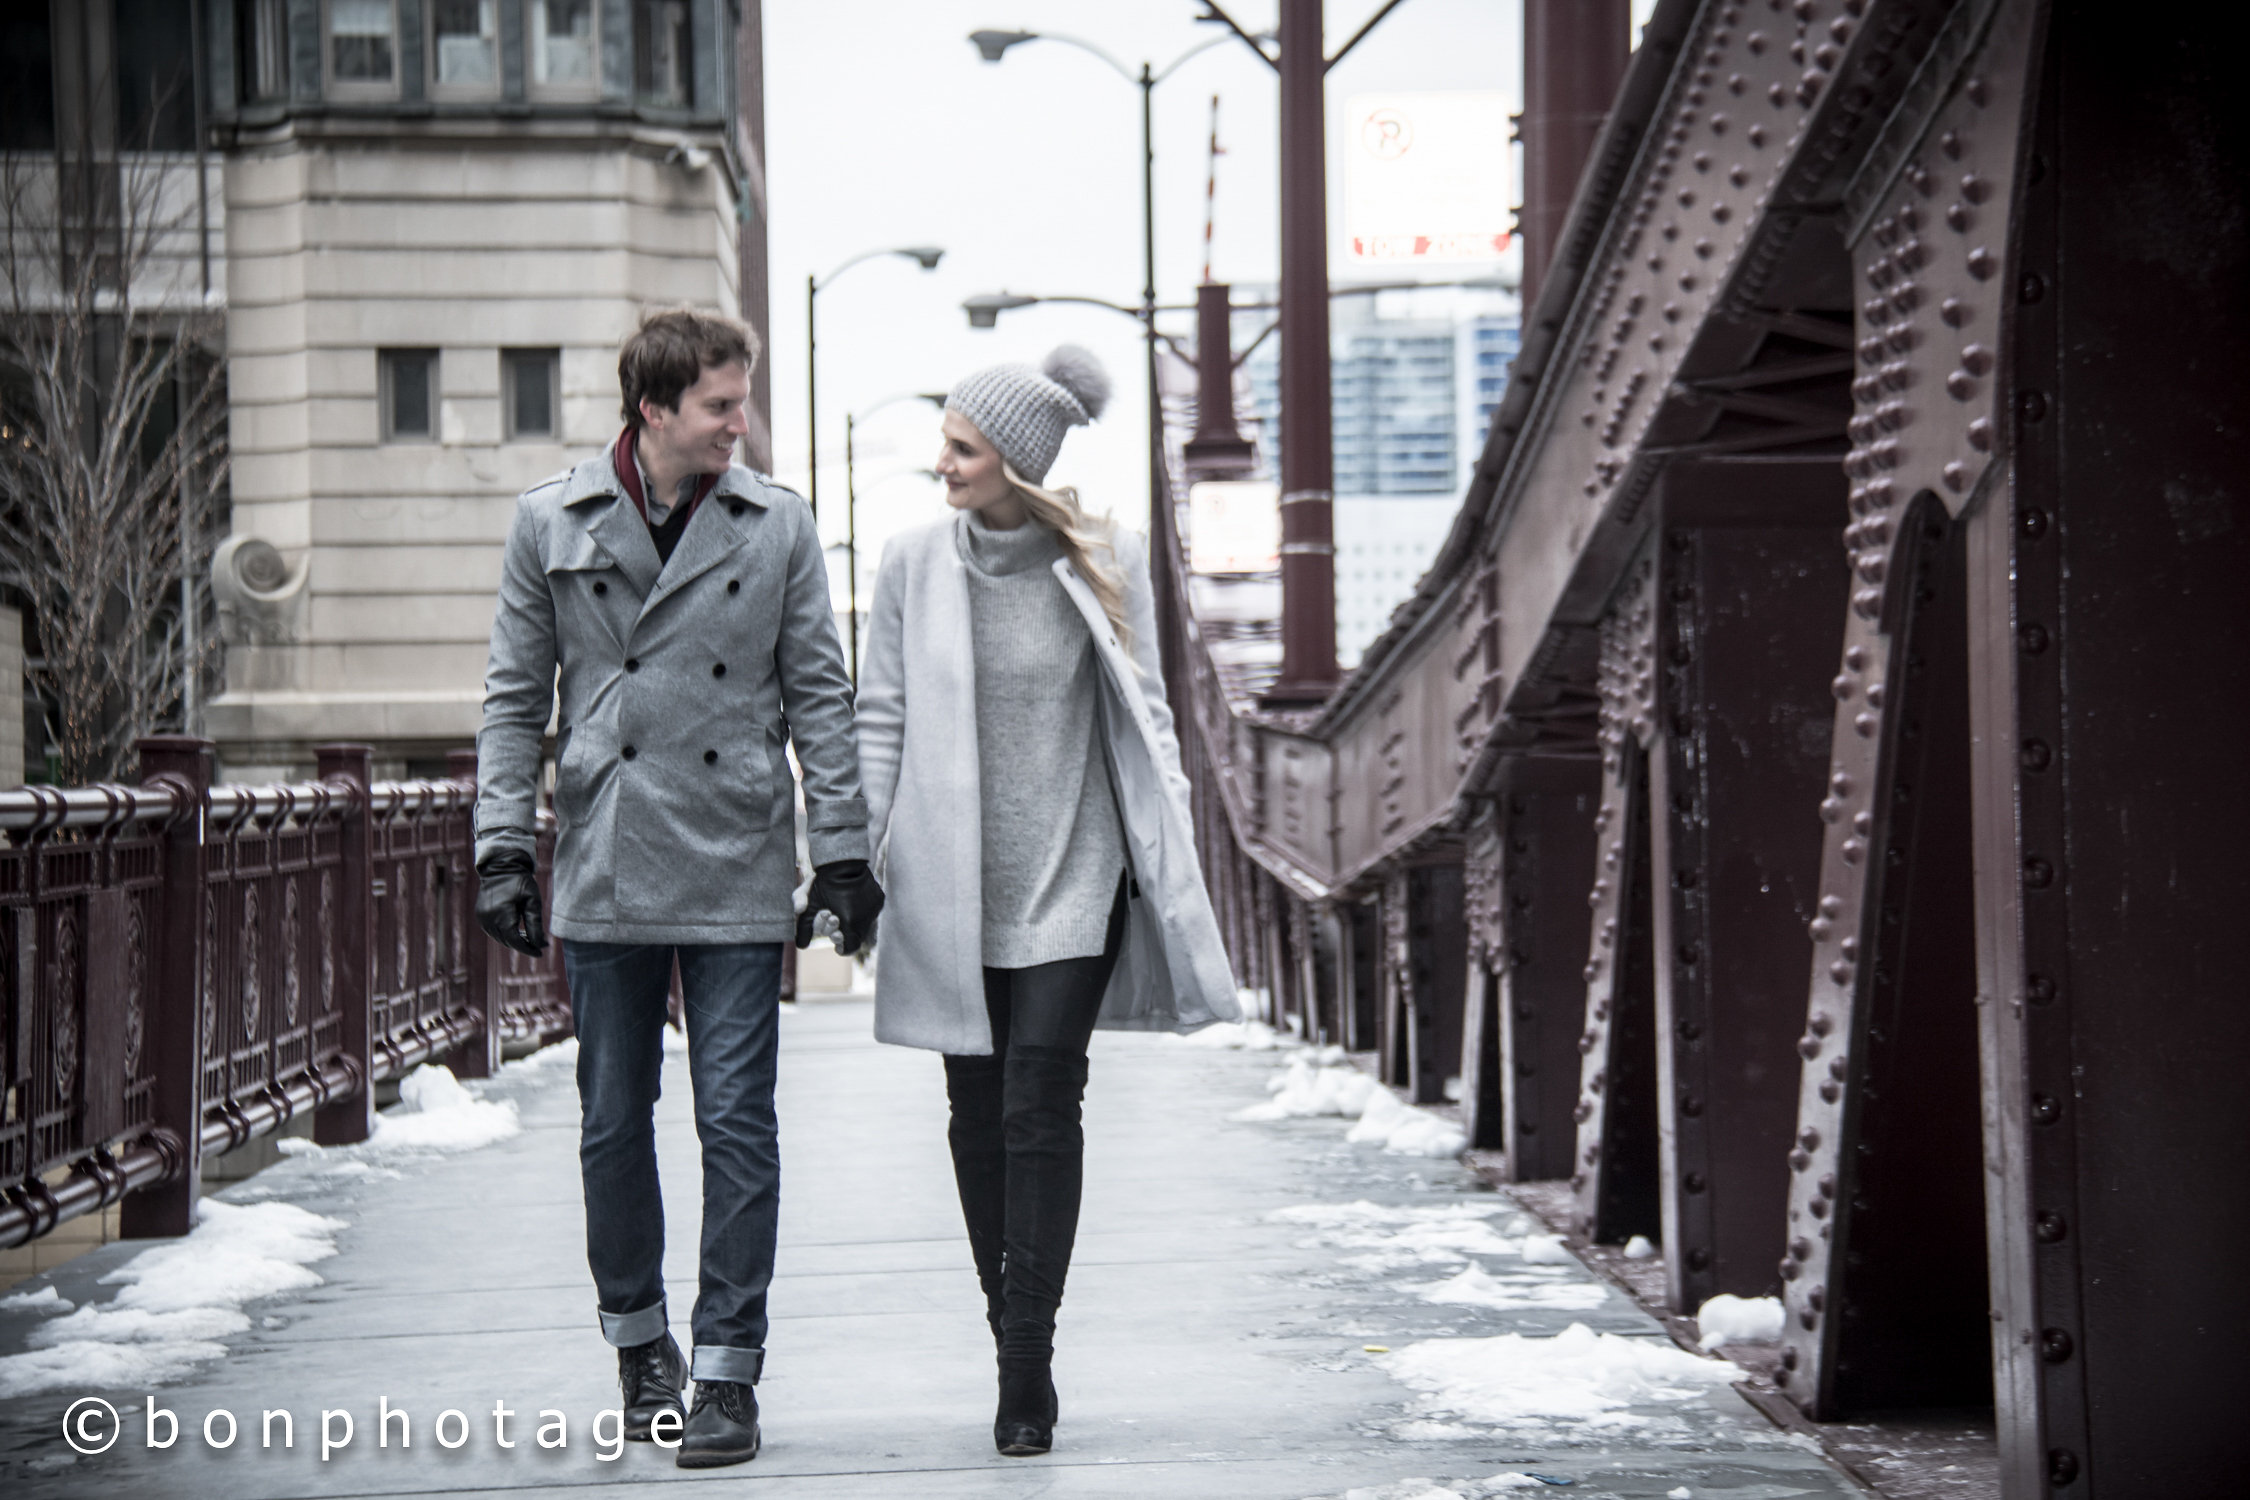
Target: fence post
x,y
352,1119
479,1056
178,997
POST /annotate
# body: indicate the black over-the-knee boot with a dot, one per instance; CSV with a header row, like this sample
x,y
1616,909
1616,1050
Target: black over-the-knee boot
x,y
980,1169
1043,1089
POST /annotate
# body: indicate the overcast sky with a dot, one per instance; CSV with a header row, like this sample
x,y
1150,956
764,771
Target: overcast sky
x,y
884,127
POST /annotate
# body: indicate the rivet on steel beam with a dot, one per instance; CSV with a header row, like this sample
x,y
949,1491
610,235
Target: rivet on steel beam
x,y
1982,263
1699,1259
2055,1345
2048,1227
1789,1358
1818,1208
2031,406
1831,906
1820,1025
1950,144
1831,1090
1975,90
1842,687
1958,218
2034,755
1838,1067
1851,851
1798,1161
1691,1106
1959,386
1977,359
1789,1270
1980,434
1864,725
2045,1109
2038,989
2032,287
2062,1466
1955,312
1956,476
1808,1318
2031,639
1693,1182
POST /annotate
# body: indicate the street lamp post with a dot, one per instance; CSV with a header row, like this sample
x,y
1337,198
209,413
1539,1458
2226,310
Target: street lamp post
x,y
992,46
928,257
851,508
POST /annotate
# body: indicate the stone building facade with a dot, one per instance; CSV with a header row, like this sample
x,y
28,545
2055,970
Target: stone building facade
x,y
440,219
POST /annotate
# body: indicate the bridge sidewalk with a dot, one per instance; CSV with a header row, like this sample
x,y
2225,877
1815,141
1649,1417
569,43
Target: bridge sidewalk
x,y
1207,1349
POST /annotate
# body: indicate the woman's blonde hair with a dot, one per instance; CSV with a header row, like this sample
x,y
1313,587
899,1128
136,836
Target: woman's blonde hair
x,y
1059,511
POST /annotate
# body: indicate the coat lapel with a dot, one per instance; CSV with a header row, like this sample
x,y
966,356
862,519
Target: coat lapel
x,y
615,526
713,534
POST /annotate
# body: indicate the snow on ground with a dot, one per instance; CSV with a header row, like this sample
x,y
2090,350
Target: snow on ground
x,y
1319,1081
1728,1319
1473,1286
181,1297
1578,1383
1388,1239
1452,1489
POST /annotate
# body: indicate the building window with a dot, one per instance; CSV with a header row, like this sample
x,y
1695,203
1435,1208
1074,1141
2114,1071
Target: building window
x,y
363,46
261,40
530,388
562,45
409,395
465,50
27,85
662,53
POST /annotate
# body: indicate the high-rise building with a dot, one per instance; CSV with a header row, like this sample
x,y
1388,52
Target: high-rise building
x,y
1414,379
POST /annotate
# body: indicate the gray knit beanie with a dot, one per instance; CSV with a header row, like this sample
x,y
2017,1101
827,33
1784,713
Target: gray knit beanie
x,y
1025,412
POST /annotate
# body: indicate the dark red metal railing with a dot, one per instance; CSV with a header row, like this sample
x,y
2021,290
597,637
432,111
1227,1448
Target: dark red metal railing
x,y
186,967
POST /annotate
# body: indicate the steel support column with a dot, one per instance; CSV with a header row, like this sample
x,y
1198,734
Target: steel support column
x,y
1574,56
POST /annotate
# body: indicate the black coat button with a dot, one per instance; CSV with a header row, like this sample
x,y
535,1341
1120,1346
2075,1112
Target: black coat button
x,y
710,757
629,752
734,585
734,507
719,669
632,664
600,587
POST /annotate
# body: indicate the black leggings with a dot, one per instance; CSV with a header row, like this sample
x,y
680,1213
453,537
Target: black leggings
x,y
1018,1148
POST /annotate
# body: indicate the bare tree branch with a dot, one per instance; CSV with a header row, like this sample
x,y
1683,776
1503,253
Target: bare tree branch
x,y
112,404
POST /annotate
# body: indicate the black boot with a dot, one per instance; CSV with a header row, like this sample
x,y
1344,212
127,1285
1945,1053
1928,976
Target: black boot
x,y
1046,1174
651,1376
1025,1424
722,1428
980,1170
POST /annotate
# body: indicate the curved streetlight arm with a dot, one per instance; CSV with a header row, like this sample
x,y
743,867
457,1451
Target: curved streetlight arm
x,y
935,398
928,255
1195,51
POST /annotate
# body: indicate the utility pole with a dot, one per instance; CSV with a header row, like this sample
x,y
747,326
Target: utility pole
x,y
1308,467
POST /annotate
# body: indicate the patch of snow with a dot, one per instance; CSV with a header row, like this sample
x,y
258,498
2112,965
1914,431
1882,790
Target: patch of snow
x,y
675,1041
1393,1238
1577,1378
179,1298
1638,1248
1243,1036
1547,1250
1309,1086
1403,1130
1728,1319
1476,1287
47,1302
1682,1493
562,1054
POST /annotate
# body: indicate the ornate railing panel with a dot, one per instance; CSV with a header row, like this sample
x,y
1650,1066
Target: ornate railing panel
x,y
186,967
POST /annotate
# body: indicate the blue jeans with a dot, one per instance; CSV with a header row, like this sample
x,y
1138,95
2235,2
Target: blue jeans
x,y
732,994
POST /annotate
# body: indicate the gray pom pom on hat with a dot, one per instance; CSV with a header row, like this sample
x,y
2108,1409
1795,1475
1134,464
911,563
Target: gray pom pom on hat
x,y
1025,412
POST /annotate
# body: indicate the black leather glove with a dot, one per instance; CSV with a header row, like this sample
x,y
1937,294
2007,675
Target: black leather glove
x,y
847,888
508,905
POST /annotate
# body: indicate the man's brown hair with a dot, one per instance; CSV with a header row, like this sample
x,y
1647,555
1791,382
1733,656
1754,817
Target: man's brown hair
x,y
671,350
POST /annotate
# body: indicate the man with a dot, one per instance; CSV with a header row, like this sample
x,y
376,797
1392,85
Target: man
x,y
684,601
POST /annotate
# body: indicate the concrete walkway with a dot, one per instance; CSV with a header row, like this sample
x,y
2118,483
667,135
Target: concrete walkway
x,y
1207,1350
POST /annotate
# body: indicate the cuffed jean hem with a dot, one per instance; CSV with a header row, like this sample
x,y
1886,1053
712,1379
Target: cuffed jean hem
x,y
629,1330
715,1362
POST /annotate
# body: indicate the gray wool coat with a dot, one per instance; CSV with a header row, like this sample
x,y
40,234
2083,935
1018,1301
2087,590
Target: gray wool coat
x,y
681,685
918,752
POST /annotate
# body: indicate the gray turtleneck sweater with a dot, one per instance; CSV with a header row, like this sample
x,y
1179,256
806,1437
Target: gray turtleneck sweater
x,y
1053,846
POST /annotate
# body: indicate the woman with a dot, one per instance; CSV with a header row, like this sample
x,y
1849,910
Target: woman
x,y
1026,799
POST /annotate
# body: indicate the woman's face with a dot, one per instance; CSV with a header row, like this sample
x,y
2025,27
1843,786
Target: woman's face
x,y
970,467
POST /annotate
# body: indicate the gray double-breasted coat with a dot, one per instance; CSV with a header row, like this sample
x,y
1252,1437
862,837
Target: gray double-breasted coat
x,y
918,751
681,686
